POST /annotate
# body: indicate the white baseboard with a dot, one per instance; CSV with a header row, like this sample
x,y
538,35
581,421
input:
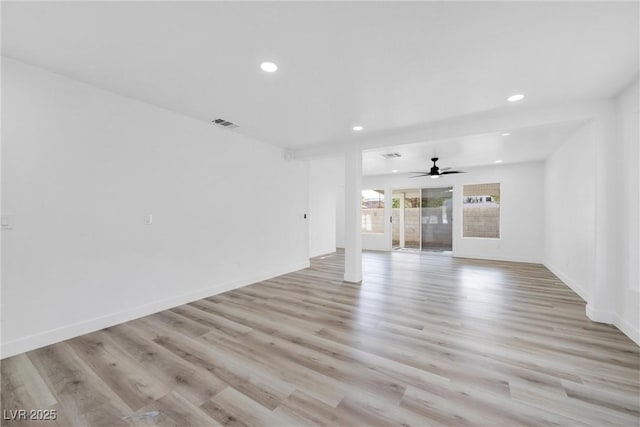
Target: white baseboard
x,y
352,279
457,254
321,253
575,287
627,328
600,316
595,315
32,342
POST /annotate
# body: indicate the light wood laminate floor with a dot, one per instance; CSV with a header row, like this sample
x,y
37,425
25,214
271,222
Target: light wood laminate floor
x,y
424,340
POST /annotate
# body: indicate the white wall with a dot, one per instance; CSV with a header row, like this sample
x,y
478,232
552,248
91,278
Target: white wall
x,y
326,177
80,169
592,195
627,316
326,182
340,216
521,209
569,199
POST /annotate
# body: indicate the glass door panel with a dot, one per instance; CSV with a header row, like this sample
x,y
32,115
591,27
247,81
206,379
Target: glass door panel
x,y
437,219
405,212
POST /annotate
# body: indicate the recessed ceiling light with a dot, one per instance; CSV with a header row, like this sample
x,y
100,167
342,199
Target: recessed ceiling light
x,y
357,128
498,161
514,98
268,67
394,171
505,134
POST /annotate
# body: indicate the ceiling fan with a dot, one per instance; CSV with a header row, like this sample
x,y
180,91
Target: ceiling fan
x,y
435,171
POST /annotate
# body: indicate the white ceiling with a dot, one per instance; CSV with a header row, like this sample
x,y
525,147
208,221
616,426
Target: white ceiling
x,y
521,145
387,66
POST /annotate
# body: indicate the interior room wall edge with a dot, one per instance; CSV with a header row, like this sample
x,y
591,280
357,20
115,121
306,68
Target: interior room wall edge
x,y
575,287
150,160
32,342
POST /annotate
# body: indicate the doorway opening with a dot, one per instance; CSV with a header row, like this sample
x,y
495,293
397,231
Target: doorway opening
x,y
422,219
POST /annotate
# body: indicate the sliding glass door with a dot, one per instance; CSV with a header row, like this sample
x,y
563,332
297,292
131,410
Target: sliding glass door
x,y
405,219
422,219
437,219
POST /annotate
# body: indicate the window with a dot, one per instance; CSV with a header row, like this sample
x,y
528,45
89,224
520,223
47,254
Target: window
x,y
481,211
373,211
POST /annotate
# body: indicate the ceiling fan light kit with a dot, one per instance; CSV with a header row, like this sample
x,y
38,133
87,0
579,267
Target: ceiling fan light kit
x,y
435,171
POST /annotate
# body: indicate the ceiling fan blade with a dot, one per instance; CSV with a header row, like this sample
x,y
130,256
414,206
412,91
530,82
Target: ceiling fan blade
x,y
448,172
419,176
444,169
424,172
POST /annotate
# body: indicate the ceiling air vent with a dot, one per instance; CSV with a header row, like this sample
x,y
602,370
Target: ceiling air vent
x,y
391,155
224,123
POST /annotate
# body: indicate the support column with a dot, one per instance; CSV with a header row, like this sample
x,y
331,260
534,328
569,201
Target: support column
x,y
353,216
401,219
608,218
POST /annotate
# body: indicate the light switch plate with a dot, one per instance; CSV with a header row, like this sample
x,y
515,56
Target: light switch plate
x,y
148,219
5,221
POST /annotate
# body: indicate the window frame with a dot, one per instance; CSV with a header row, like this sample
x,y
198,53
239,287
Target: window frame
x,y
382,200
462,236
